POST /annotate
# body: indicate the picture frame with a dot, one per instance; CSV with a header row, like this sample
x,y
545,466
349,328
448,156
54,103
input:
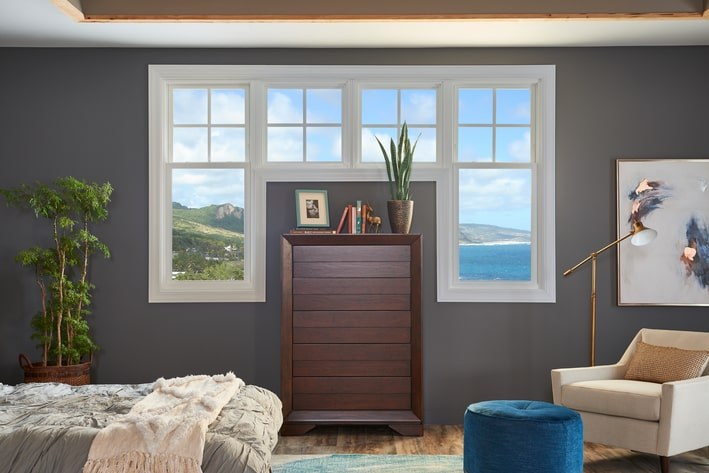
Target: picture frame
x,y
311,208
671,196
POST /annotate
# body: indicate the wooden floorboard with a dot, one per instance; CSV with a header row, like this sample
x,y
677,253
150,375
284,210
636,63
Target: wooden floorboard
x,y
448,440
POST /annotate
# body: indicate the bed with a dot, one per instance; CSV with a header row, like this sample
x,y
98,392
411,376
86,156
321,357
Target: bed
x,y
49,427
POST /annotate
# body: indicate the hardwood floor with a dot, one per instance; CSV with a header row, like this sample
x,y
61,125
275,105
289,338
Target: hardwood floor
x,y
448,440
437,439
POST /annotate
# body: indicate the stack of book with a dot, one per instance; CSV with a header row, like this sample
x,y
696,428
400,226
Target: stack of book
x,y
312,231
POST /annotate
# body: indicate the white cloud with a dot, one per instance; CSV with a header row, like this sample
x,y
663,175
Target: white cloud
x,y
285,144
494,190
189,145
519,150
228,106
228,144
370,148
281,109
419,107
197,188
190,106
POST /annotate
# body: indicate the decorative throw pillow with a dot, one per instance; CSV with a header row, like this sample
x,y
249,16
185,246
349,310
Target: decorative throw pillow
x,y
659,364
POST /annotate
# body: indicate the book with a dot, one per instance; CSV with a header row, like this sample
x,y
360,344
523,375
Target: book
x,y
341,225
351,221
313,231
358,217
365,208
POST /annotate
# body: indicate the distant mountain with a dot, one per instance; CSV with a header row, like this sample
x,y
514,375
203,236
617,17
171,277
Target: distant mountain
x,y
473,233
225,216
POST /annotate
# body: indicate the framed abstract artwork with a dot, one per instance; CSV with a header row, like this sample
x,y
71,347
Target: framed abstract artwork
x,y
670,196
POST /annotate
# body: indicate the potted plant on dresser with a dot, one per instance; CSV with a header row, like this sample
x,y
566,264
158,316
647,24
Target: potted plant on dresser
x,y
399,162
69,206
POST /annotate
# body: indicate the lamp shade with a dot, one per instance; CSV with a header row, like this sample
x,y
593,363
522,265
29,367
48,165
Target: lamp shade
x,y
642,235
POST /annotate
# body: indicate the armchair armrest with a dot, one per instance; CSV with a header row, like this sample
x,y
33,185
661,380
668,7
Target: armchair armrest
x,y
562,376
684,416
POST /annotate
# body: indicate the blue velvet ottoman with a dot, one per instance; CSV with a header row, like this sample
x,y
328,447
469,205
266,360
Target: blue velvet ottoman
x,y
522,437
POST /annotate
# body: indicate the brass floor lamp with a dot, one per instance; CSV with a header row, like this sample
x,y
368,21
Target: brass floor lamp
x,y
641,236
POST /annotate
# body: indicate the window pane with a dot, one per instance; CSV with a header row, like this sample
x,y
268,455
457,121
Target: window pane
x,y
189,145
475,106
285,105
418,107
324,105
324,144
189,106
494,215
208,224
475,144
426,146
285,143
370,149
228,106
379,107
513,106
228,144
513,145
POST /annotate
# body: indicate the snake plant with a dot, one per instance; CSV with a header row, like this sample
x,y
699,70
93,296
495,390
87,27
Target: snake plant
x,y
398,163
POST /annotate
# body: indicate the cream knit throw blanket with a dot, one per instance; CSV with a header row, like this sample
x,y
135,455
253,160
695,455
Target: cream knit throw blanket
x,y
165,431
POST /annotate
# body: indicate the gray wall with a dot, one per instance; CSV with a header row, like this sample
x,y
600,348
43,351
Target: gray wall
x,y
83,112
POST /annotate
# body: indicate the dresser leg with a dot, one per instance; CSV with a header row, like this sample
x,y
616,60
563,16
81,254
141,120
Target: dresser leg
x,y
409,430
296,429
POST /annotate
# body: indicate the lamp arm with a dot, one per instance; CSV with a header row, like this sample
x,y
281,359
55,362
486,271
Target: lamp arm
x,y
596,253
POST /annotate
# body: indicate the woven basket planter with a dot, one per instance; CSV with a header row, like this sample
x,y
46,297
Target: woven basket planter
x,y
75,375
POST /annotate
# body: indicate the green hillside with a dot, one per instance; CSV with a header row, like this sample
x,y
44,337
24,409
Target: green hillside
x,y
208,242
474,233
225,216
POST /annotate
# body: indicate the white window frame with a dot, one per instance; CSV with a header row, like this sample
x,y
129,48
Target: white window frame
x,y
542,286
258,172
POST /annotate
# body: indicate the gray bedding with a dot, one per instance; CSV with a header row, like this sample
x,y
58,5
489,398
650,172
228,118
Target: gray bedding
x,y
48,427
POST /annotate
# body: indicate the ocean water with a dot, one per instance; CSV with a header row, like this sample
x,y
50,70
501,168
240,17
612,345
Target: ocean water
x,y
508,262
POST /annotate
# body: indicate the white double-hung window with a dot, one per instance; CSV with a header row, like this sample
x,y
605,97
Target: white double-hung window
x,y
219,134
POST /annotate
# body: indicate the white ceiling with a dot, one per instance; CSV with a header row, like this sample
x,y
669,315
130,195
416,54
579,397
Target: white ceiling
x,y
39,23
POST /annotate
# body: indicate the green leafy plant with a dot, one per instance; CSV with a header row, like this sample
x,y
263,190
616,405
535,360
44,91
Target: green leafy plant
x,y
399,163
62,270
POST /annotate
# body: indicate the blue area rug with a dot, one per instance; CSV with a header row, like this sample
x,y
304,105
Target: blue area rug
x,y
374,464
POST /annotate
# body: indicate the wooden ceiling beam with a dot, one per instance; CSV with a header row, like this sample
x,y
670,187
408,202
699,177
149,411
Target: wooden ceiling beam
x,y
328,10
72,8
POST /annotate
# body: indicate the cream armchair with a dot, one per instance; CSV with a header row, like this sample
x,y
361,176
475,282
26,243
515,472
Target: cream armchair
x,y
662,419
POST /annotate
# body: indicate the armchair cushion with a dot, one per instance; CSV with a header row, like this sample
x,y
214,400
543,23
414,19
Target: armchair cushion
x,y
615,397
661,364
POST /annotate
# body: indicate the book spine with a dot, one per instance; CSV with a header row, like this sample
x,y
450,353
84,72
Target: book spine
x,y
358,221
351,219
341,225
364,218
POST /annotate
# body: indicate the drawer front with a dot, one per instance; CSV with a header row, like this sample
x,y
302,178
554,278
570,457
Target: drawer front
x,y
351,335
352,351
351,368
351,302
352,318
363,286
352,385
351,401
350,253
352,269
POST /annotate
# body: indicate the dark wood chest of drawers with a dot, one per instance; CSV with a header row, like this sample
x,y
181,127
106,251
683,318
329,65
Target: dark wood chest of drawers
x,y
351,331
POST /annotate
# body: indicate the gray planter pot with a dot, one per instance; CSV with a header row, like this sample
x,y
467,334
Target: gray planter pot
x,y
401,213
